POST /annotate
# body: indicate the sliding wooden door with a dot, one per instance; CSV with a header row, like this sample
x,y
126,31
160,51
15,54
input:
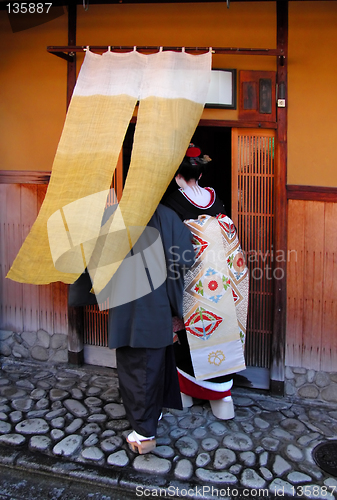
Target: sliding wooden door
x,y
253,158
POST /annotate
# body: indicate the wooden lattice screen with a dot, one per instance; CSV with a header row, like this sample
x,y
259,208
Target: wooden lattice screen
x,y
253,214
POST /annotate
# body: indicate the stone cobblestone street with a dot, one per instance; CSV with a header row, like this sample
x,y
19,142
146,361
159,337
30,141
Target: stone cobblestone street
x,y
72,420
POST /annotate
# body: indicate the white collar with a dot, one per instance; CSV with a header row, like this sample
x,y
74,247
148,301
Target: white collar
x,y
200,196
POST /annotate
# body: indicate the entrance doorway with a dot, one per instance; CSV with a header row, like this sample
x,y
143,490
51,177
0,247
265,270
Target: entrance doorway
x,y
242,173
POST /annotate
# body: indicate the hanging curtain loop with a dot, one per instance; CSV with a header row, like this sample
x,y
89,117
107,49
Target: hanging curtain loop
x,y
64,51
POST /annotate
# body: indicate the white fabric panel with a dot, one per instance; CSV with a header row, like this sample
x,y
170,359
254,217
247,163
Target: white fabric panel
x,y
110,74
167,74
174,75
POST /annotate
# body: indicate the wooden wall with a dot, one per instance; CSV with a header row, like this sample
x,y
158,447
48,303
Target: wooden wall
x,y
25,307
311,340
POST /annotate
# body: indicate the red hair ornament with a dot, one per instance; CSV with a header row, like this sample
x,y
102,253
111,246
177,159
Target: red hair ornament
x,y
193,152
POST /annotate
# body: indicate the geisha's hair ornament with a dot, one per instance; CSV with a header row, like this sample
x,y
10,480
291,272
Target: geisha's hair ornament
x,y
206,159
194,153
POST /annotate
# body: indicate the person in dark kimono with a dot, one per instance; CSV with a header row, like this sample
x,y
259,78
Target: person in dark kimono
x,y
140,329
195,205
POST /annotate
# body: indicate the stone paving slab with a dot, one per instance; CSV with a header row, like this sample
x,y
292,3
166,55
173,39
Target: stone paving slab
x,y
18,484
71,421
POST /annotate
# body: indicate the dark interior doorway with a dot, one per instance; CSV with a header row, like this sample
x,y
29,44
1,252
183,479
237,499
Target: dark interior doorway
x,y
214,142
250,167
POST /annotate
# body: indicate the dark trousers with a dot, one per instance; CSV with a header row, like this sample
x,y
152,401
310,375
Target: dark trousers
x,y
148,382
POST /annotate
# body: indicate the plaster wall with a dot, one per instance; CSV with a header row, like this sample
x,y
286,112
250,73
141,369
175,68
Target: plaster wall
x,y
33,97
312,103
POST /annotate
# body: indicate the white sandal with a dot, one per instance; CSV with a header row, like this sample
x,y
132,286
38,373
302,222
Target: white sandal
x,y
223,408
140,444
187,401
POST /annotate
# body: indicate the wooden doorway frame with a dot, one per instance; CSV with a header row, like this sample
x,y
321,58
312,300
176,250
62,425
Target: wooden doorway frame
x,y
277,369
75,342
253,185
277,374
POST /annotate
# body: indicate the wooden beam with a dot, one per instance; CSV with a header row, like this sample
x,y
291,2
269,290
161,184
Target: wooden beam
x,y
75,314
24,177
71,64
64,50
206,122
277,374
58,3
312,193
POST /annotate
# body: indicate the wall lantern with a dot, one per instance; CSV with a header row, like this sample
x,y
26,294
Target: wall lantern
x,y
281,98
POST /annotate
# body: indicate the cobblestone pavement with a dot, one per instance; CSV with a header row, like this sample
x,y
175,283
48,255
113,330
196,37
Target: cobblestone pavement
x,y
71,422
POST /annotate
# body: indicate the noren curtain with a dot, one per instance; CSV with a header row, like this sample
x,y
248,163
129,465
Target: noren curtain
x,y
171,88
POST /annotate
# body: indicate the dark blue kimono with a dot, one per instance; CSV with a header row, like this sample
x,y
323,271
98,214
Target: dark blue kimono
x,y
141,329
147,321
142,332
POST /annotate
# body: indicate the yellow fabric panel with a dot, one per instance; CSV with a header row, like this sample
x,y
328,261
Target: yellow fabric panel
x,y
163,133
164,130
84,164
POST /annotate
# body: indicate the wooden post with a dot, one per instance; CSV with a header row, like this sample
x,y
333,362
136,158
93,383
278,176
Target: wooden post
x,y
71,65
280,238
75,335
75,314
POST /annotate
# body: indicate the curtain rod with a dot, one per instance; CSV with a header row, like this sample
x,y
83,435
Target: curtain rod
x,y
67,51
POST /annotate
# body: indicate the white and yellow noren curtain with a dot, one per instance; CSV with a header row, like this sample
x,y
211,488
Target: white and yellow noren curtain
x,y
171,88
